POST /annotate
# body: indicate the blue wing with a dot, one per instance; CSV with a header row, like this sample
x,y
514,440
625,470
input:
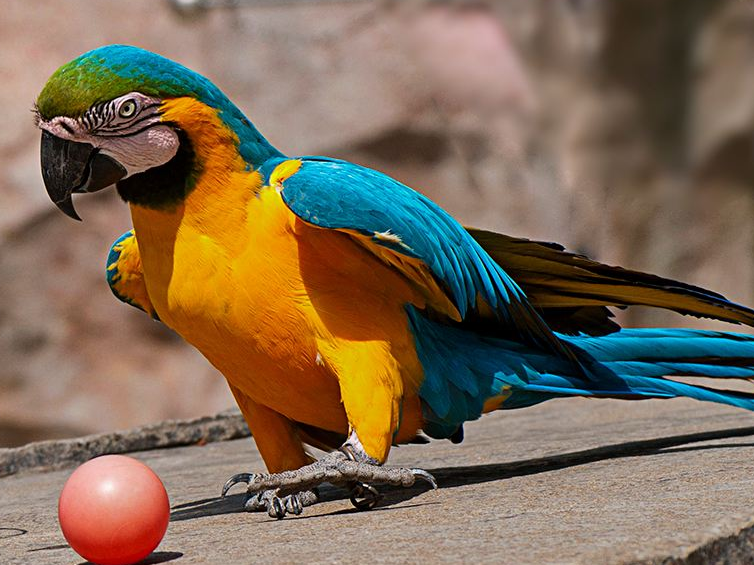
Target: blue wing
x,y
338,195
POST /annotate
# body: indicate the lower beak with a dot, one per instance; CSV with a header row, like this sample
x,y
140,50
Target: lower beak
x,y
69,166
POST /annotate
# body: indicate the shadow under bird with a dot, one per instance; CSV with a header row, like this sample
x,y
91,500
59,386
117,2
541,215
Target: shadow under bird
x,y
347,311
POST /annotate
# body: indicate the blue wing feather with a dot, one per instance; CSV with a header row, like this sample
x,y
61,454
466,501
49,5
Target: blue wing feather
x,y
340,195
463,369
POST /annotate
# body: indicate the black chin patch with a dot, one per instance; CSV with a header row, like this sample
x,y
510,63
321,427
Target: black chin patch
x,y
167,185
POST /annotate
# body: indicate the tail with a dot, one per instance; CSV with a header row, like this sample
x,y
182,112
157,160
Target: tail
x,y
634,364
467,374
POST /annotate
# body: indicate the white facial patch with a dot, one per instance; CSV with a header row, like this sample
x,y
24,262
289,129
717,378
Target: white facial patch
x,y
128,129
145,150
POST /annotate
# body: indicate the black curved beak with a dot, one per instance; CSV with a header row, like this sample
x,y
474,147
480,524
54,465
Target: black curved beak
x,y
70,167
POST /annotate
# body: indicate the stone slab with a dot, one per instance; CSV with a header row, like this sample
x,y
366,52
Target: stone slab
x,y
572,481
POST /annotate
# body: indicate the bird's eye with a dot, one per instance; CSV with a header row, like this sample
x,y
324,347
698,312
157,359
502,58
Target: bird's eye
x,y
127,109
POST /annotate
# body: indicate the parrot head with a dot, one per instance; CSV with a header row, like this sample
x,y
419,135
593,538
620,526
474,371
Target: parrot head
x,y
123,115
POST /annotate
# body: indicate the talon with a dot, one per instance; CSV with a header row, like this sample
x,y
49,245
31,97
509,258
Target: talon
x,y
422,474
276,510
370,496
235,479
294,505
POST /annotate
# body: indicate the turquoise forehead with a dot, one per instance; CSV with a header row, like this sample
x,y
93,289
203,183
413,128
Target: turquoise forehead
x,y
114,70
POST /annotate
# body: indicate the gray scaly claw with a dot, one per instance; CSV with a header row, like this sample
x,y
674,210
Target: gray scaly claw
x,y
422,474
335,468
364,496
289,491
279,506
235,479
270,500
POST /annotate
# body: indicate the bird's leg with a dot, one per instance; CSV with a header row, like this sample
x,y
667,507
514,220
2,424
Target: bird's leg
x,y
372,392
281,448
350,466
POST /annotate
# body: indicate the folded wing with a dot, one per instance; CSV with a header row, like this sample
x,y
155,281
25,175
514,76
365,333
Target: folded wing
x,y
417,237
573,292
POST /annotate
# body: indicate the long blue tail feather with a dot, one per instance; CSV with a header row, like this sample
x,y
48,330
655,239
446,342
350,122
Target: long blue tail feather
x,y
464,369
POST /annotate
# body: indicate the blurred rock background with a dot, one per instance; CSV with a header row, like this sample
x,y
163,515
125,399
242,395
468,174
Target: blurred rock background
x,y
621,128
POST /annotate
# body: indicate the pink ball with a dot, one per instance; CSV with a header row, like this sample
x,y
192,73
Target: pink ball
x,y
113,510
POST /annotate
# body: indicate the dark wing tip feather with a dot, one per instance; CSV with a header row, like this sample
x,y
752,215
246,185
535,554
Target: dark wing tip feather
x,y
555,280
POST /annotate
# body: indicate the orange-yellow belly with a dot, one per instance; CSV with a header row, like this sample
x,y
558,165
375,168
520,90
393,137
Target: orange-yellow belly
x,y
260,292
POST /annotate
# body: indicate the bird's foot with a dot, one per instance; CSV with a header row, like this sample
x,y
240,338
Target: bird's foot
x,y
337,468
278,506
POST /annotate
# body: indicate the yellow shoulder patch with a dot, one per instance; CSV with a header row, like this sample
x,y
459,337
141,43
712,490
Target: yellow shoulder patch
x,y
284,171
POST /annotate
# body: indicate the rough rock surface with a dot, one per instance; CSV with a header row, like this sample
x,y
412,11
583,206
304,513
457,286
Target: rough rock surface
x,y
570,481
59,454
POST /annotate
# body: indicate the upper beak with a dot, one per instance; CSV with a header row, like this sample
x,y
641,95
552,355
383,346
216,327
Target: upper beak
x,y
69,166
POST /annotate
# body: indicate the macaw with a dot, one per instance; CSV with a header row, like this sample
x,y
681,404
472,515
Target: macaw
x,y
347,311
